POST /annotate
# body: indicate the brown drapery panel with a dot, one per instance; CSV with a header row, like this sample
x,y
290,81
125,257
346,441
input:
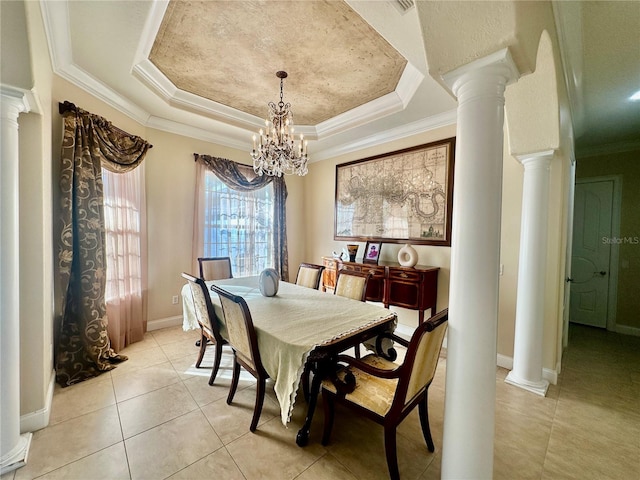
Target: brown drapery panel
x,y
242,178
89,143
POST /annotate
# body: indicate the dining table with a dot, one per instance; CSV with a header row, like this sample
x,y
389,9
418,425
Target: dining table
x,y
300,326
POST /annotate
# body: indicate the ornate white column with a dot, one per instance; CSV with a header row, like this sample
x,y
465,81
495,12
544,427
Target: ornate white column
x,y
467,450
527,355
13,446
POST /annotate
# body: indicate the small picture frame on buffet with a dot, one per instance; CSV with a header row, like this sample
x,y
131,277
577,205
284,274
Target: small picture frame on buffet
x,y
372,252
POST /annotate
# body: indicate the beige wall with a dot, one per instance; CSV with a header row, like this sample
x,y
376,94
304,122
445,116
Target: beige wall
x,y
319,211
170,176
627,165
36,255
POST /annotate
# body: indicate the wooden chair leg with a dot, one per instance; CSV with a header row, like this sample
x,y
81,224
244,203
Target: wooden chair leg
x,y
390,450
259,402
203,347
329,412
216,364
234,380
305,383
423,409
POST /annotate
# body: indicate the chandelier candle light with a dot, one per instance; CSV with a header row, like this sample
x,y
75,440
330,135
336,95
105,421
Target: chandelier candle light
x,y
274,150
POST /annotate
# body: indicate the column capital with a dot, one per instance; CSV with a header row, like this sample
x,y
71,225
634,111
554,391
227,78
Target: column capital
x,y
543,157
496,65
14,101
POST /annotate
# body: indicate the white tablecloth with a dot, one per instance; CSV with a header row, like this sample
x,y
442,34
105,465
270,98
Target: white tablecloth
x,y
290,325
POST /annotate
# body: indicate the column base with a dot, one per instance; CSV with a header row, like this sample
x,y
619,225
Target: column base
x,y
539,388
18,456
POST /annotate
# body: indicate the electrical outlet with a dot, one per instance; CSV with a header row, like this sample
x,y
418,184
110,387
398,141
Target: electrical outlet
x,y
174,300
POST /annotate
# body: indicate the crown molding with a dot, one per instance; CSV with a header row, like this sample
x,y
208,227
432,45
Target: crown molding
x,y
185,130
150,30
568,21
415,128
56,25
153,78
55,16
388,104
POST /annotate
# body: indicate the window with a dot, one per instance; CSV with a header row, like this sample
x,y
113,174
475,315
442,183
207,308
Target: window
x,y
123,200
238,225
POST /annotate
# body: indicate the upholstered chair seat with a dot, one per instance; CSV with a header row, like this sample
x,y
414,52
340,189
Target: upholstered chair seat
x,y
371,392
387,392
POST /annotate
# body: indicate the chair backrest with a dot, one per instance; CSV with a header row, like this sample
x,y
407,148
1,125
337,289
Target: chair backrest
x,y
422,356
240,330
203,307
215,268
309,275
352,284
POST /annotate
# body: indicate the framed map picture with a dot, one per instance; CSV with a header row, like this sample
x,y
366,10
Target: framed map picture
x,y
398,197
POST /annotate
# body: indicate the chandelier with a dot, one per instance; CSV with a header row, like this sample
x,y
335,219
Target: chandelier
x,y
275,151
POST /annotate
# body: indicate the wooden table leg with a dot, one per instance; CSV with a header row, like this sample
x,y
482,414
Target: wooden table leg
x,y
303,434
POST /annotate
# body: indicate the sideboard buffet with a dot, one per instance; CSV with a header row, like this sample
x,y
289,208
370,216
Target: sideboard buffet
x,y
415,288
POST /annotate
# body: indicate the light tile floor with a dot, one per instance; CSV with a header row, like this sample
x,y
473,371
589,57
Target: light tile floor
x,y
156,417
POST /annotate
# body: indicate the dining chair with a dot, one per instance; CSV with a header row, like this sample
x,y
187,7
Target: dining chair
x,y
349,284
385,391
309,275
244,342
215,268
352,284
211,330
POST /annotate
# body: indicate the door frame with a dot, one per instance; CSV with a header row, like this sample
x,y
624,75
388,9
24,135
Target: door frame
x,y
616,211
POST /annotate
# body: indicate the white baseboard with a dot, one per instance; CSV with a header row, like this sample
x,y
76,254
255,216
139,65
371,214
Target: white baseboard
x,y
164,323
504,362
550,375
30,422
625,330
507,362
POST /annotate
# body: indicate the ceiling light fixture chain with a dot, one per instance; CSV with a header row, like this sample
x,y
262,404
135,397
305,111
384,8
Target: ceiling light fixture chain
x,y
274,150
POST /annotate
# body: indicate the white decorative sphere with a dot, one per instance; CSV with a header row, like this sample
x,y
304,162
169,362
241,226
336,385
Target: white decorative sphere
x,y
407,256
269,282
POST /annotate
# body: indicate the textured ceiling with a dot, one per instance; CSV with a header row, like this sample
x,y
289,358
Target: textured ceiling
x,y
335,60
104,48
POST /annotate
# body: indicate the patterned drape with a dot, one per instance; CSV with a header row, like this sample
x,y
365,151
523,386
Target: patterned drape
x,y
242,178
89,143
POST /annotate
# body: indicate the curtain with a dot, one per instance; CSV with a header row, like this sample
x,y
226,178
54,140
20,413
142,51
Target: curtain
x,y
125,249
242,178
89,143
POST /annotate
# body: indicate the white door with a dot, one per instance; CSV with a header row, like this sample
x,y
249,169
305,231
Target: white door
x,y
591,253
